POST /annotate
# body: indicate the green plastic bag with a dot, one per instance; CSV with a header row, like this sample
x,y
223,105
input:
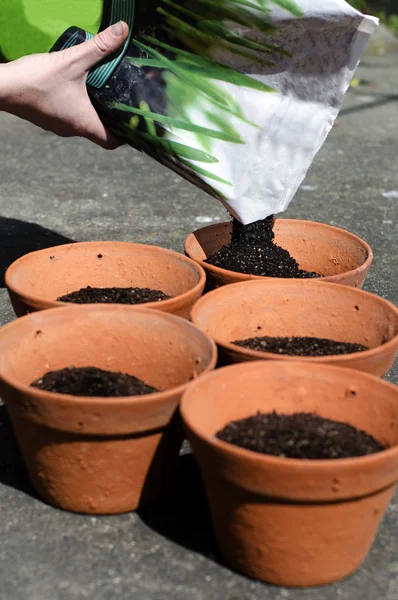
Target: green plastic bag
x,y
30,26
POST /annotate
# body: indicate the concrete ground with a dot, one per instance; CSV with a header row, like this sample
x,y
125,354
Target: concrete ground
x,y
54,190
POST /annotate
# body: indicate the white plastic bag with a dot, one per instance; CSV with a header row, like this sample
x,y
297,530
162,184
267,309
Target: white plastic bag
x,y
325,46
207,88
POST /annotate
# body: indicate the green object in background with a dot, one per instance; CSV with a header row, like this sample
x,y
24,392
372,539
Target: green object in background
x,y
30,26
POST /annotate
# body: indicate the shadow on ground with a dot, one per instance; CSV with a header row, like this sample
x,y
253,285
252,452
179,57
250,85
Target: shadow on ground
x,y
19,237
12,468
183,515
380,100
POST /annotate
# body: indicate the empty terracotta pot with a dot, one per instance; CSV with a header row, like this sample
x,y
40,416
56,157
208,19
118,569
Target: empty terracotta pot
x,y
339,256
288,521
309,308
100,455
36,280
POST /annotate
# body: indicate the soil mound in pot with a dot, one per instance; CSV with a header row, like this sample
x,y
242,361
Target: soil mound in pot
x,y
252,250
114,295
93,382
299,346
300,435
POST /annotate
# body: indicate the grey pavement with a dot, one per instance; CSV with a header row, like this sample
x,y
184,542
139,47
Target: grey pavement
x,y
54,190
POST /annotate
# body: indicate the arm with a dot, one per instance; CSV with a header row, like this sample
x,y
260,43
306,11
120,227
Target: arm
x,y
49,90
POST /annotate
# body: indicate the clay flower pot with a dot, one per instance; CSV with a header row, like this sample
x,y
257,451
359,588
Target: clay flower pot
x,y
309,308
37,279
289,521
100,455
340,256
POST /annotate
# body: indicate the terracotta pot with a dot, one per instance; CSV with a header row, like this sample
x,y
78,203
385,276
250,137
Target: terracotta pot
x,y
282,307
288,521
340,256
37,279
100,455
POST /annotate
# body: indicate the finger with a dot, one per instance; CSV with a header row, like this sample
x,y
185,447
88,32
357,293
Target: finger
x,y
96,132
106,42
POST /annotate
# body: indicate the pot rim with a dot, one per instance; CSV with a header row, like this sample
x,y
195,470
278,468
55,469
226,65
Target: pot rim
x,y
258,354
262,460
166,304
53,397
245,276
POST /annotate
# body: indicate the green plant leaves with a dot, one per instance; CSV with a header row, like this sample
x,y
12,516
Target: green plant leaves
x,y
206,67
178,123
208,174
201,28
206,24
290,6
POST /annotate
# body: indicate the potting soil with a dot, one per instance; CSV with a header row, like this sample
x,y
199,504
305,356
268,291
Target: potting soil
x,y
90,381
300,346
252,250
114,295
300,435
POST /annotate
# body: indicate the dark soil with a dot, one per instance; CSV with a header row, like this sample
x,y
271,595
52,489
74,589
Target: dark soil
x,y
301,435
90,381
299,346
253,251
115,295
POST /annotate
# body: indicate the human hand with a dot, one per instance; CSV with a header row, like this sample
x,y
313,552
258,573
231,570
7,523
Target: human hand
x,y
49,90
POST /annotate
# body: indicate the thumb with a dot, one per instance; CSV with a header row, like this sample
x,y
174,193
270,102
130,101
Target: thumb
x,y
88,54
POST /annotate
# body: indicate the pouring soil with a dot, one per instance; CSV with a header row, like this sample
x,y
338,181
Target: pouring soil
x,y
340,256
113,295
252,250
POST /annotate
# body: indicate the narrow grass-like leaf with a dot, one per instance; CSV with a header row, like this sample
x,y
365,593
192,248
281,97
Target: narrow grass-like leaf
x,y
212,69
134,122
217,10
182,26
195,17
202,87
207,40
227,35
251,5
290,6
146,62
208,174
182,150
149,122
179,98
176,97
221,123
178,124
231,76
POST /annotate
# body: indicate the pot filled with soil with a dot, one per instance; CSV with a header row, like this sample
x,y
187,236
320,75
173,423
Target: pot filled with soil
x,y
105,272
93,395
299,465
280,248
293,320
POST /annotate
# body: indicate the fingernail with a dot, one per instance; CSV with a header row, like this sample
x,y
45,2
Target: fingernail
x,y
118,29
